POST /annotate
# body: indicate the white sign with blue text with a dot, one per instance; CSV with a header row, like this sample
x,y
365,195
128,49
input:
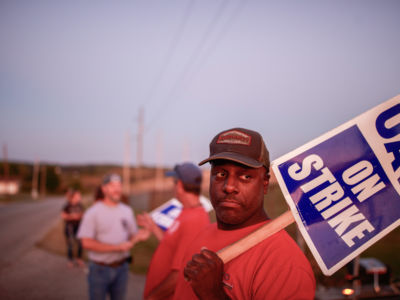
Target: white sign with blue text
x,y
165,214
343,188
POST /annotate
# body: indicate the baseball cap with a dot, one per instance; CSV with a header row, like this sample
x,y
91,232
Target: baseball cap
x,y
111,178
188,173
240,145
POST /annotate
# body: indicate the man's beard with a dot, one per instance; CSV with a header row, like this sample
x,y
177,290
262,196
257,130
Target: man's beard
x,y
115,199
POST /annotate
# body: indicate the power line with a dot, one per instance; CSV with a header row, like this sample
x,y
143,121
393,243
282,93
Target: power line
x,y
157,80
169,53
189,66
219,36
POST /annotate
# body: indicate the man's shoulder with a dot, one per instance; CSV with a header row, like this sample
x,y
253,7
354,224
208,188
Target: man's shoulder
x,y
283,239
280,241
193,215
277,259
281,248
95,208
125,208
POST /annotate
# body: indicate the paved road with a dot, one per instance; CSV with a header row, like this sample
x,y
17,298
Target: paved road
x,y
22,224
27,272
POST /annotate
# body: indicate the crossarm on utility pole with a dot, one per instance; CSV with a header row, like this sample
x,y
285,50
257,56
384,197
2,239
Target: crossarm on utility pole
x,y
230,252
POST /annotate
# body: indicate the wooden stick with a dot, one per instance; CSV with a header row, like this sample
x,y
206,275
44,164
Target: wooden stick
x,y
230,252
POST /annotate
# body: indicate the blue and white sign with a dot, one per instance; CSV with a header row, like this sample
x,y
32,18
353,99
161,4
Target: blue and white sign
x,y
165,214
343,188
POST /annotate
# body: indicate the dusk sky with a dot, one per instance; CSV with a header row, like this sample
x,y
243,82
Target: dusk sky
x,y
74,74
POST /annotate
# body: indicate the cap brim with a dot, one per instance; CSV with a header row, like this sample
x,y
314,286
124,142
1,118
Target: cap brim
x,y
236,157
171,174
111,178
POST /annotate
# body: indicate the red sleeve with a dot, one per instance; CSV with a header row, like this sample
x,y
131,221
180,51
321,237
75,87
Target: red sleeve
x,y
183,238
191,225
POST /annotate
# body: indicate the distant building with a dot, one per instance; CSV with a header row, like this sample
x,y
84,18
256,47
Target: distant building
x,y
10,186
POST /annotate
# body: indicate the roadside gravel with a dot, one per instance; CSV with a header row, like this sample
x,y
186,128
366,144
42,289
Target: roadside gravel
x,y
38,274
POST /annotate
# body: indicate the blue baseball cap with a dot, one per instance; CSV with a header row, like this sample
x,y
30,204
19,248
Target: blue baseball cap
x,y
188,173
111,178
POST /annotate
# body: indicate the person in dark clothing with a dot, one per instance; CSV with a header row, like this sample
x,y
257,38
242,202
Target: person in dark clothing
x,y
72,214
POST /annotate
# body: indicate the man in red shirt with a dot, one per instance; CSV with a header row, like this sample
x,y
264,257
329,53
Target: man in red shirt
x,y
167,259
275,268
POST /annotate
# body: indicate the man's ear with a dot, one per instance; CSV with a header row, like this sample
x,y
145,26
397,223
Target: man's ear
x,y
266,182
103,188
179,184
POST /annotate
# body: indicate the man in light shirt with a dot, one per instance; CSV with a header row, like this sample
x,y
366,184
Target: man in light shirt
x,y
108,231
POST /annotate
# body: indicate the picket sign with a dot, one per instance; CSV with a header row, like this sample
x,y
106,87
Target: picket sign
x,y
342,188
166,214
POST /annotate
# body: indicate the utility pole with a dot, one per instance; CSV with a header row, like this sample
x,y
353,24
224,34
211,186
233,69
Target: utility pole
x,y
6,169
158,180
35,179
126,176
43,177
356,280
159,169
139,157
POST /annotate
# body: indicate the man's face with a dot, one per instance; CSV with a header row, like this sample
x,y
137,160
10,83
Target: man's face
x,y
237,194
113,191
76,198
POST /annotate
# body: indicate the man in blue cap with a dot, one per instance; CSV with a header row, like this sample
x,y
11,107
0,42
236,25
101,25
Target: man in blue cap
x,y
167,259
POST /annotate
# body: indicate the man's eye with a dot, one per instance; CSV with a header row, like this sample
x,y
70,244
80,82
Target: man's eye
x,y
246,176
220,174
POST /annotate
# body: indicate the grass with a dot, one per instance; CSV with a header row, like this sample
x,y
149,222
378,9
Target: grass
x,y
54,240
142,253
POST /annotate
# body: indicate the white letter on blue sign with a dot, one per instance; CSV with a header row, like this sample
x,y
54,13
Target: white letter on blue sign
x,y
299,173
331,193
344,219
326,175
382,122
387,130
334,209
358,173
357,231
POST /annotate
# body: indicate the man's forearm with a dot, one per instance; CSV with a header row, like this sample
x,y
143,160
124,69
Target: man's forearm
x,y
94,245
158,232
71,217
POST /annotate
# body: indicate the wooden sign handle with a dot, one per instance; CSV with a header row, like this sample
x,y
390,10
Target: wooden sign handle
x,y
230,252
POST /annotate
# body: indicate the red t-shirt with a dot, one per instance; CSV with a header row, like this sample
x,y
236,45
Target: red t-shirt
x,y
170,252
274,269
